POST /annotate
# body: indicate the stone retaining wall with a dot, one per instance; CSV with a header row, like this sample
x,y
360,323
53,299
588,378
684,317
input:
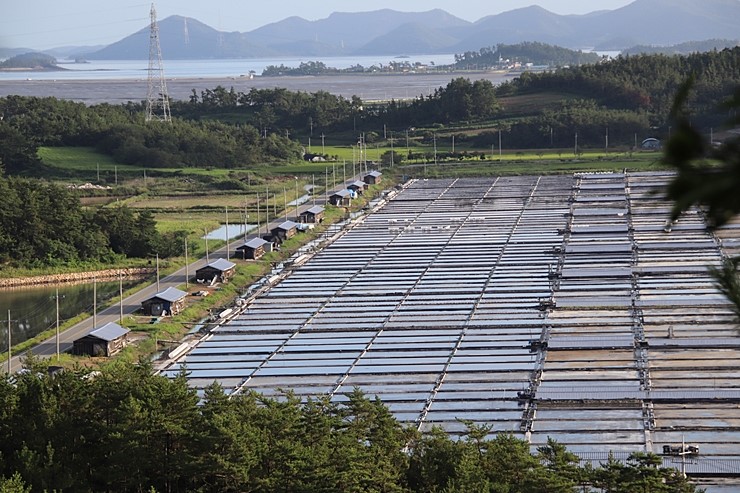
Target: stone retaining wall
x,y
107,274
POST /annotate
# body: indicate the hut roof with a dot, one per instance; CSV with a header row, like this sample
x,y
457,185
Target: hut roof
x,y
221,264
255,243
109,332
317,209
375,174
170,294
287,225
341,193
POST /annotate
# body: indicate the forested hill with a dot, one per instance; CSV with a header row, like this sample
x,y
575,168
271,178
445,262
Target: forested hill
x,y
36,61
683,48
528,52
120,131
642,82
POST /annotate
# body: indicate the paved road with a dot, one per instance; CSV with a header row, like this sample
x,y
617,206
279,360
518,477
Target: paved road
x,y
131,304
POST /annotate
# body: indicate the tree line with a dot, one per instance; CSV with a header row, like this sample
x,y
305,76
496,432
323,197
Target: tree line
x,y
120,131
123,429
644,83
42,224
617,100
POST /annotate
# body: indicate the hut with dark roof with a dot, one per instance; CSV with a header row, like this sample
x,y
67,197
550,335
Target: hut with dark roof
x,y
103,341
171,301
221,270
284,231
373,178
254,249
314,215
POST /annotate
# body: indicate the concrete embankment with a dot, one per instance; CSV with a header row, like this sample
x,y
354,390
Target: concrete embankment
x,y
75,277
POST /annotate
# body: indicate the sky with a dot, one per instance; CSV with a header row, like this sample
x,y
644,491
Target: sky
x,y
44,24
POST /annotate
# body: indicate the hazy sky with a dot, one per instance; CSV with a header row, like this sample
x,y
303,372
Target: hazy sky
x,y
41,24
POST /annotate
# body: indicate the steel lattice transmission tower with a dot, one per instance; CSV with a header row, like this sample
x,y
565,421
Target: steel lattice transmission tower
x,y
157,100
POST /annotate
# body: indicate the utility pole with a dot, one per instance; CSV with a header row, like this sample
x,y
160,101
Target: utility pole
x,y
95,302
499,144
205,231
157,272
575,147
187,267
267,209
392,149
57,307
285,203
296,199
246,219
10,352
435,148
120,284
227,231
157,99
322,143
259,227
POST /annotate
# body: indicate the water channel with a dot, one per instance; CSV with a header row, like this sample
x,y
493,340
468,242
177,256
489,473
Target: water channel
x,y
33,308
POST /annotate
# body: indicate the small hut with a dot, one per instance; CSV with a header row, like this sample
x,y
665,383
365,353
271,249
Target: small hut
x,y
285,231
104,341
342,198
373,178
358,187
314,215
171,301
222,270
252,250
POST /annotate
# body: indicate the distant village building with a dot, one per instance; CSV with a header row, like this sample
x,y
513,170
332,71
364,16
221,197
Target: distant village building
x,y
254,249
221,270
650,144
284,231
314,215
104,341
373,178
171,301
342,198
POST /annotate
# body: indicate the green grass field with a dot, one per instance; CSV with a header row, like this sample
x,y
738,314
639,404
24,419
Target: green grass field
x,y
78,159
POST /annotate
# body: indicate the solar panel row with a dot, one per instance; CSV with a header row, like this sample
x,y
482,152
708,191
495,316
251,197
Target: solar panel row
x,y
545,306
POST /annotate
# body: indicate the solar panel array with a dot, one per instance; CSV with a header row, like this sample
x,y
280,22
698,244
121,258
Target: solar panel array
x,y
544,306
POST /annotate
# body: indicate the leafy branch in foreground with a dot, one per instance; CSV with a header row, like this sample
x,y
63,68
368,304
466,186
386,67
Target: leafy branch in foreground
x,y
727,281
708,176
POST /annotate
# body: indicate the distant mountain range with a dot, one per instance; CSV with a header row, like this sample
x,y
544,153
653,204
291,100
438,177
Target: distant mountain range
x,y
388,32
